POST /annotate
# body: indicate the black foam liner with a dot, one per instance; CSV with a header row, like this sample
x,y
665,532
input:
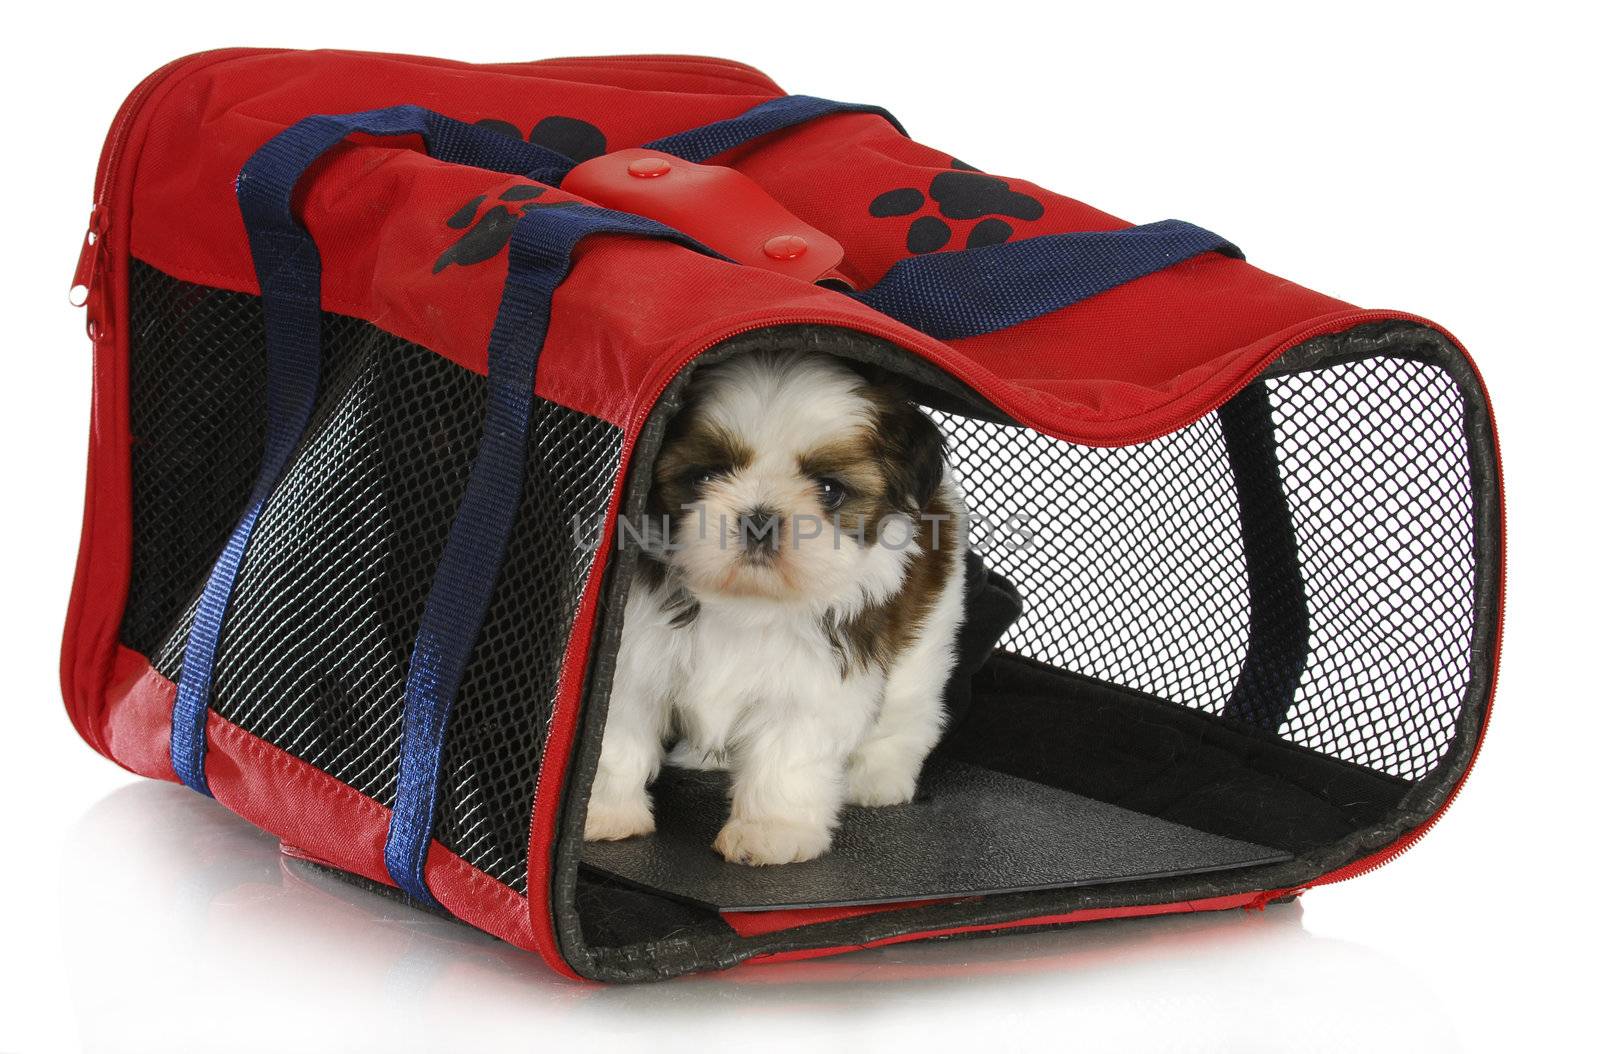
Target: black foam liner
x,y
1163,759
971,832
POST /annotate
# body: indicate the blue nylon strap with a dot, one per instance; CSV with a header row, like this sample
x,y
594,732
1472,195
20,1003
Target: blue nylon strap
x,y
542,244
289,271
702,144
975,291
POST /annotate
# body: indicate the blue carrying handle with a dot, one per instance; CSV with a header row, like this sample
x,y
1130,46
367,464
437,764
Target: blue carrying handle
x,y
968,292
289,271
542,244
288,268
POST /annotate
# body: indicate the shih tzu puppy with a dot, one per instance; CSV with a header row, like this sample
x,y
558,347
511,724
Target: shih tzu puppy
x,y
795,616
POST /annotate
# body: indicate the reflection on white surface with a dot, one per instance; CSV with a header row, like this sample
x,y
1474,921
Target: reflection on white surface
x,y
191,932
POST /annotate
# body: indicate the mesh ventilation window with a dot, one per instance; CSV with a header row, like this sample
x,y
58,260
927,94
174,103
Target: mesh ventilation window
x,y
1132,561
502,713
189,347
314,651
1380,489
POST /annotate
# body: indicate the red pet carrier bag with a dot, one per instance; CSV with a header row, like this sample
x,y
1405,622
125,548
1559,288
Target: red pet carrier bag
x,y
385,346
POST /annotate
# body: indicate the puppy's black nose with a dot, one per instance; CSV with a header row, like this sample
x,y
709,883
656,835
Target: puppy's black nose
x,y
758,532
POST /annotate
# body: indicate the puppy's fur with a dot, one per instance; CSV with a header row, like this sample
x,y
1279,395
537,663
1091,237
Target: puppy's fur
x,y
796,614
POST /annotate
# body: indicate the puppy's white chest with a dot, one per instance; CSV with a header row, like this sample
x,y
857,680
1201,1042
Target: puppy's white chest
x,y
744,672
745,660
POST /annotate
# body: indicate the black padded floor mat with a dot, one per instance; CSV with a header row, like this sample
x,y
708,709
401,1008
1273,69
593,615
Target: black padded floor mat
x,y
972,831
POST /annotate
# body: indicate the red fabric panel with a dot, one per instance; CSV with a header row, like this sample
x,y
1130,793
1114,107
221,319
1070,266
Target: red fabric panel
x,y
137,720
299,803
99,587
1131,364
210,120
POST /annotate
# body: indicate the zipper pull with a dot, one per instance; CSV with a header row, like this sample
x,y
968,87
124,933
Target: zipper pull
x,y
82,289
83,277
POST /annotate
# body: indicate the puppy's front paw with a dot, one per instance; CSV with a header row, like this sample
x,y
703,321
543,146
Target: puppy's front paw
x,y
614,821
880,778
771,842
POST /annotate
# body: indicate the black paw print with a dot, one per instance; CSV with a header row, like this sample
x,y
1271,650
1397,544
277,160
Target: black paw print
x,y
578,139
492,230
961,194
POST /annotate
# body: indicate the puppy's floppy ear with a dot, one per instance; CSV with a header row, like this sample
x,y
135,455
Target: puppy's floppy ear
x,y
913,454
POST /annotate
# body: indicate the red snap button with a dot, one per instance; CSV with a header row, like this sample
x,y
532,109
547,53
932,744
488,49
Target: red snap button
x,y
785,247
649,167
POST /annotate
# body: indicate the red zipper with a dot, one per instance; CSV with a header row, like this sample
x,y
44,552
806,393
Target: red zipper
x,y
89,261
1361,867
1368,864
93,256
1402,845
94,281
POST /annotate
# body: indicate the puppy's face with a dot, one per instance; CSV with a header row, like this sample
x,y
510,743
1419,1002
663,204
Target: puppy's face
x,y
790,478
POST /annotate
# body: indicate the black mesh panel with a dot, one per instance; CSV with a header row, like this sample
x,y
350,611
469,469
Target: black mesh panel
x,y
1380,490
314,651
191,346
1132,561
502,713
327,602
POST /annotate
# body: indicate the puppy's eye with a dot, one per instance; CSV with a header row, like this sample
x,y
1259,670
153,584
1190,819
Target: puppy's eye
x,y
831,492
702,477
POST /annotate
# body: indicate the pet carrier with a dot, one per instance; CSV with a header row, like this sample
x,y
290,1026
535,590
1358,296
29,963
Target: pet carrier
x,y
385,345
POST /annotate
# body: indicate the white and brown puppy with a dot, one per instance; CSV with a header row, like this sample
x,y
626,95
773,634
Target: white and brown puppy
x,y
795,619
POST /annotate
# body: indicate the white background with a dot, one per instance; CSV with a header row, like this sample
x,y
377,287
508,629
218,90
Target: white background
x,y
1438,159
